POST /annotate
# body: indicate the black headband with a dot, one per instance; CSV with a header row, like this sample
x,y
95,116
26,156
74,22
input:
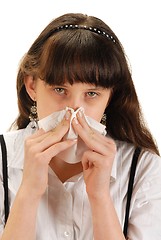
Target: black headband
x,y
71,26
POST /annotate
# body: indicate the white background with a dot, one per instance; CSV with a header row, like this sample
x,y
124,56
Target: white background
x,y
136,23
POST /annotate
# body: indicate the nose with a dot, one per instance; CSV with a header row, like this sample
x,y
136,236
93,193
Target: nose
x,y
75,103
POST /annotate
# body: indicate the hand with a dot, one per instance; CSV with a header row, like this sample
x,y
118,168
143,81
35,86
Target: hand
x,y
98,160
40,148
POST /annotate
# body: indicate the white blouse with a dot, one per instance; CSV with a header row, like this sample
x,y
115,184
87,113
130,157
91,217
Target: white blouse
x,y
64,211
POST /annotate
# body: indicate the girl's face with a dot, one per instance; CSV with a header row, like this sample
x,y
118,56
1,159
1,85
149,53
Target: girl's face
x,y
55,98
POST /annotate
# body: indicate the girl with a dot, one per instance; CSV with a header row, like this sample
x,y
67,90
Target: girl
x,y
78,61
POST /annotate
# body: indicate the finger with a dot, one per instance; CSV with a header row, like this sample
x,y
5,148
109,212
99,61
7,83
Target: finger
x,y
94,140
88,129
86,163
52,151
79,124
37,134
92,159
53,135
81,119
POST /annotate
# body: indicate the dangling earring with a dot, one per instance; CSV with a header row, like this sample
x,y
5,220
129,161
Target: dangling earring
x,y
33,116
103,120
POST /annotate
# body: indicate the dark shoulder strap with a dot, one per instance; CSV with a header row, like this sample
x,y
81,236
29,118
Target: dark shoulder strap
x,y
130,187
5,176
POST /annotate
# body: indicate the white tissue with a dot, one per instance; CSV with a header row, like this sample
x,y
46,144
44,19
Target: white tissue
x,y
74,153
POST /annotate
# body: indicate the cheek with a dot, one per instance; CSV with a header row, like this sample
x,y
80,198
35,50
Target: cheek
x,y
44,107
46,103
47,106
42,110
98,116
96,113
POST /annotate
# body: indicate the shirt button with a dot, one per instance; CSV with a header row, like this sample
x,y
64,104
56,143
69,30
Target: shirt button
x,y
66,234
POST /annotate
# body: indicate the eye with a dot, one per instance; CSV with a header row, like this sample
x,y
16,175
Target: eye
x,y
59,90
91,94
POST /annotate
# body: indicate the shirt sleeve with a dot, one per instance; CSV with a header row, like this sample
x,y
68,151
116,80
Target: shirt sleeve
x,y
145,215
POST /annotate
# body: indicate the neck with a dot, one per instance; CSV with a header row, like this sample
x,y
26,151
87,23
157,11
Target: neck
x,y
64,170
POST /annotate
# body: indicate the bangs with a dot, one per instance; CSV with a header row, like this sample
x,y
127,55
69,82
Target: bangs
x,y
79,56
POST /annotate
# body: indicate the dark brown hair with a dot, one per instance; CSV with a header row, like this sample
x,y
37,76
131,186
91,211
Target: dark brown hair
x,y
79,55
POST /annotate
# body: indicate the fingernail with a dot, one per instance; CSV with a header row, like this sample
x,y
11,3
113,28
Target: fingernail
x,y
67,115
80,113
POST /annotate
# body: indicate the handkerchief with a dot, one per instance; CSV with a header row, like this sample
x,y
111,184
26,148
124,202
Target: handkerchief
x,y
74,153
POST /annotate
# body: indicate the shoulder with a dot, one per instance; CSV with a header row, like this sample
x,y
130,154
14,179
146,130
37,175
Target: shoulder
x,y
149,170
126,150
16,137
12,138
148,165
14,141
